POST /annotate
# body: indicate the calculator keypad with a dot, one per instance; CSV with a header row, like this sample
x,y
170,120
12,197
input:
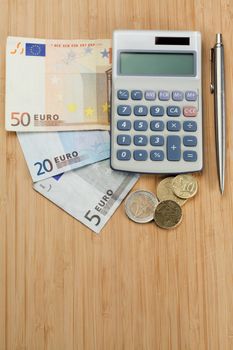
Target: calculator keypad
x,y
166,130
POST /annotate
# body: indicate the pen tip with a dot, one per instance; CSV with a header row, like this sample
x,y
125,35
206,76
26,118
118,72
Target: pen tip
x,y
222,188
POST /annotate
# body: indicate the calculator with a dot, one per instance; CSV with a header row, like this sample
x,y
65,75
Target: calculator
x,y
156,108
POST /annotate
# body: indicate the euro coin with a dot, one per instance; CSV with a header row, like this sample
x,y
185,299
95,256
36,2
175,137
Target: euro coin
x,y
168,214
140,206
165,191
184,186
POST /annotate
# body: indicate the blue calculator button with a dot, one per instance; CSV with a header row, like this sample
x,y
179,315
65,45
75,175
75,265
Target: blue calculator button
x,y
157,155
157,111
164,95
157,140
173,125
140,110
140,125
123,154
173,148
190,141
123,140
136,94
191,96
140,140
123,94
173,111
190,156
190,126
123,125
123,110
150,95
177,96
140,155
157,125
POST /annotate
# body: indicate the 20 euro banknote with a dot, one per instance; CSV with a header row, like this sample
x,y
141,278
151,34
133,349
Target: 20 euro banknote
x,y
90,194
49,154
57,85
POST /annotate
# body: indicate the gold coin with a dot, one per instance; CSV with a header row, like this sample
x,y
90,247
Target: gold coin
x,y
165,191
168,214
184,186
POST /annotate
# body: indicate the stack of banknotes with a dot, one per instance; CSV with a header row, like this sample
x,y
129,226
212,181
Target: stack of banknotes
x,y
57,100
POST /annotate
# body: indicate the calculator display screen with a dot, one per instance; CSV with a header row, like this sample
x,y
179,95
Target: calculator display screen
x,y
157,63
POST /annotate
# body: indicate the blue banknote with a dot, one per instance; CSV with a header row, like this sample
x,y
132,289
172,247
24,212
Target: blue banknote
x,y
51,153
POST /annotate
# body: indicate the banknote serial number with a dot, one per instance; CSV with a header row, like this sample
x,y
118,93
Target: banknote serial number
x,y
24,119
95,217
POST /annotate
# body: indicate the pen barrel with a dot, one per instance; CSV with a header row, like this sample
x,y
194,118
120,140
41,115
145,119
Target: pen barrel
x,y
219,104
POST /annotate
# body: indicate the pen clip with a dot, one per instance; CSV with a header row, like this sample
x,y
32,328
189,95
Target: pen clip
x,y
212,70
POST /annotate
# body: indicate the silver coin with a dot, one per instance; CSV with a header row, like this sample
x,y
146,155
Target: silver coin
x,y
140,206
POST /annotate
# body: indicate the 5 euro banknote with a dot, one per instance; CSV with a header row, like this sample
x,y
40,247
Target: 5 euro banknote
x,y
90,194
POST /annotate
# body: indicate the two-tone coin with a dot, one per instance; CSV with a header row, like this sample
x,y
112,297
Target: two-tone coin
x,y
184,186
165,191
140,206
168,214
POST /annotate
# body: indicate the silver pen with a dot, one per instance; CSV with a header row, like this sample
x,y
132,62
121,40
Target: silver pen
x,y
217,86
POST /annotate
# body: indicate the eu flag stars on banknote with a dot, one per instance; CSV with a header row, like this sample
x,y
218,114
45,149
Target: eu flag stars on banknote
x,y
58,101
35,49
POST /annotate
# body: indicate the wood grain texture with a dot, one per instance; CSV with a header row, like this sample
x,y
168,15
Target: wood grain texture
x,y
134,287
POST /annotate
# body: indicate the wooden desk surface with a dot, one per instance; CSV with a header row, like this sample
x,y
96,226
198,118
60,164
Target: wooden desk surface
x,y
134,286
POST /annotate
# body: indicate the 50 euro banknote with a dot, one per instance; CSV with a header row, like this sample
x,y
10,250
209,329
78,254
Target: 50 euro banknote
x,y
48,154
57,85
90,194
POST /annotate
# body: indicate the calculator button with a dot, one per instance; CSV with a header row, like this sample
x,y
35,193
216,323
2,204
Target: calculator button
x,y
190,126
173,125
123,154
150,95
123,140
191,96
157,125
190,141
190,156
136,94
140,155
190,111
140,110
173,148
123,125
164,95
123,110
157,111
157,155
123,94
140,125
140,140
177,96
173,111
157,140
